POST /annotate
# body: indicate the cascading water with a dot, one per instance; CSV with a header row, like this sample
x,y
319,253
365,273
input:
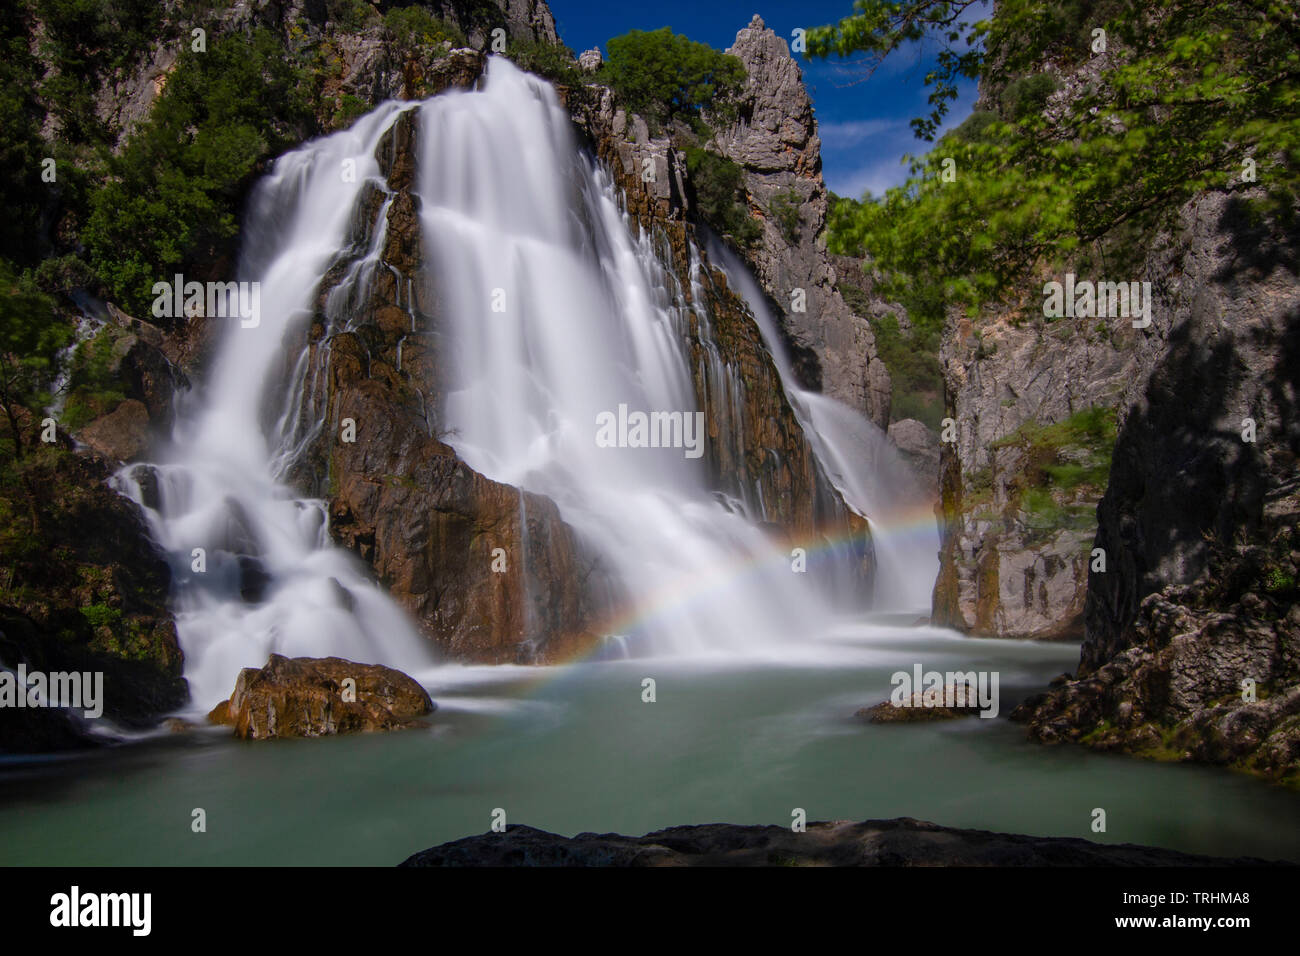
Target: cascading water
x,y
556,313
861,462
586,320
557,316
268,579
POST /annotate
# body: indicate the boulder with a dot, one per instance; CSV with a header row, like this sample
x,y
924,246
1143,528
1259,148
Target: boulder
x,y
926,705
122,434
310,697
900,842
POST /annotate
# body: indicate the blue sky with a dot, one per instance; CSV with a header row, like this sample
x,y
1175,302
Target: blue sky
x,y
863,123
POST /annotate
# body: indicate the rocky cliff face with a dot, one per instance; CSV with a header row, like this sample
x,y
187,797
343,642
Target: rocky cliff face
x,y
1193,635
364,60
755,442
1015,548
1138,488
84,590
775,141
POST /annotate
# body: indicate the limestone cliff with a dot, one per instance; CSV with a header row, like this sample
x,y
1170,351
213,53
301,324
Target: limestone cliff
x,y
1192,647
776,143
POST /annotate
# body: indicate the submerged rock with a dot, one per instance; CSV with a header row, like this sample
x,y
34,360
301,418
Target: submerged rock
x,y
310,697
926,705
901,842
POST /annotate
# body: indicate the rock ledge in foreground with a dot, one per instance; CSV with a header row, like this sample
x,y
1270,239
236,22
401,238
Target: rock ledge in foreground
x,y
901,842
307,697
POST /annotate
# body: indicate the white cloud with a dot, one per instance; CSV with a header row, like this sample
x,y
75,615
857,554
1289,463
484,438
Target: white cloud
x,y
853,132
874,177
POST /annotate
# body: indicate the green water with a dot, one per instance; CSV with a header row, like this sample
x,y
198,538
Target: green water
x,y
574,749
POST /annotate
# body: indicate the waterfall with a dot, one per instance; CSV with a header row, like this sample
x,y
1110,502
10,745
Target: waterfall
x,y
556,311
559,312
863,465
267,578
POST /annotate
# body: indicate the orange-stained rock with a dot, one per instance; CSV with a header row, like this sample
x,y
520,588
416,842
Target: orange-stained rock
x,y
312,697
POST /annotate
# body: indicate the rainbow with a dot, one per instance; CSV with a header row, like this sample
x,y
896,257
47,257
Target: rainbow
x,y
915,523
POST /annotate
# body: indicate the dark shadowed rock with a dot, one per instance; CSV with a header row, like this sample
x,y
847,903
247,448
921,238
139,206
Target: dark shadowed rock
x,y
309,697
901,842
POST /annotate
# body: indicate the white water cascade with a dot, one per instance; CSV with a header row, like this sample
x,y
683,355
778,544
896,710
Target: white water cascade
x,y
512,207
272,581
556,311
589,320
861,462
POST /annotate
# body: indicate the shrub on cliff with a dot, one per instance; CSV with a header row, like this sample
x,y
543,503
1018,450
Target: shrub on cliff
x,y
415,26
85,41
554,61
662,75
718,184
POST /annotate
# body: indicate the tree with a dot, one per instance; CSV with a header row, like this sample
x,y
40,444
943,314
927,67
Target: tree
x,y
1190,96
176,189
662,75
31,337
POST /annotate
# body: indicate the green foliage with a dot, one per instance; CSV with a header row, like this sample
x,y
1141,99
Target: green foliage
x,y
718,184
784,208
1026,95
913,363
176,190
1190,88
21,148
1068,454
94,387
662,75
350,108
414,27
101,615
351,15
86,41
554,61
1278,580
31,336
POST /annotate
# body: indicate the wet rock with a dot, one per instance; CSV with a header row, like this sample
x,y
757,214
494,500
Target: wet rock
x,y
954,700
757,452
92,597
490,573
900,842
316,697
